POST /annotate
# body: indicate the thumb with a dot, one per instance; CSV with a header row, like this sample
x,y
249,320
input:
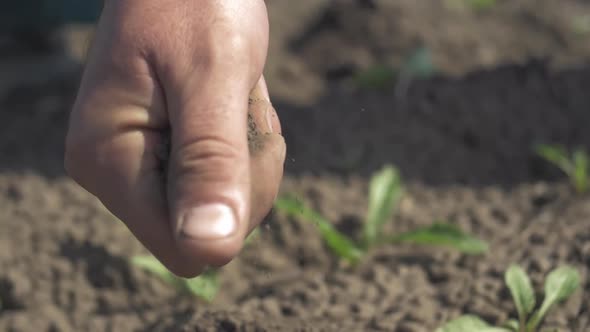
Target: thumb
x,y
209,171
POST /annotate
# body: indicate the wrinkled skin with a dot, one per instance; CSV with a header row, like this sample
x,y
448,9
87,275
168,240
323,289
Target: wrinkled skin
x,y
180,72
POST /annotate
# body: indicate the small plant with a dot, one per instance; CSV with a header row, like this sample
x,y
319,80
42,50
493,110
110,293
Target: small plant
x,y
480,5
376,77
385,192
576,166
419,64
581,25
204,286
475,5
559,285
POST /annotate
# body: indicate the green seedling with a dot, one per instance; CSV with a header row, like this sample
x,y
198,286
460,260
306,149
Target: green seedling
x,y
581,25
559,285
481,5
385,193
576,166
418,65
442,234
475,5
376,77
204,286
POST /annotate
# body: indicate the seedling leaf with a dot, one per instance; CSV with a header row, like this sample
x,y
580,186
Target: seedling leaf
x,y
474,5
522,291
560,284
511,324
581,169
469,323
581,25
385,191
152,265
204,286
419,64
557,155
443,234
376,77
577,167
252,237
482,4
336,241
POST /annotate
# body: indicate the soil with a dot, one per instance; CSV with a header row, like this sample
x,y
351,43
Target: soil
x,y
508,78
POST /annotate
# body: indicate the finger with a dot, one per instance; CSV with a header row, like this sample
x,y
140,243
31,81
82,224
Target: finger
x,y
259,95
209,171
267,153
124,173
116,157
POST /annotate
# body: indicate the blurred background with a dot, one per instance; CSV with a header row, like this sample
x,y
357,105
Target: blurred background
x,y
454,93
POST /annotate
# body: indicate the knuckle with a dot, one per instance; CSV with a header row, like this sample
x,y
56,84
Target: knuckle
x,y
210,157
229,48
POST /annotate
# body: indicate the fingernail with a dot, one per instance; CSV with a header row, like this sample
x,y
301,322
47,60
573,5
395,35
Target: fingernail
x,y
209,222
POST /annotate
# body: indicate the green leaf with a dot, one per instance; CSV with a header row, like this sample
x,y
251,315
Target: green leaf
x,y
512,324
474,5
204,286
469,323
385,191
376,77
522,291
419,64
557,155
577,168
581,169
443,234
252,237
153,265
481,5
581,25
336,241
560,284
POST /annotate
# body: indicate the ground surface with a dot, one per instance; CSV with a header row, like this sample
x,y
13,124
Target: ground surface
x,y
509,77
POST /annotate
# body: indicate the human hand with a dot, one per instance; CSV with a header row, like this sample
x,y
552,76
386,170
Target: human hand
x,y
180,72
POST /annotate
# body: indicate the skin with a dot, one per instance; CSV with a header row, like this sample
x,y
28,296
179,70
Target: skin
x,y
179,72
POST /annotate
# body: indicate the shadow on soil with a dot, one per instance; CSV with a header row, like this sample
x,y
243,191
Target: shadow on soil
x,y
9,302
103,270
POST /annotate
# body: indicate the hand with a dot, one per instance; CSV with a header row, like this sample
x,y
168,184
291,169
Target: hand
x,y
181,72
